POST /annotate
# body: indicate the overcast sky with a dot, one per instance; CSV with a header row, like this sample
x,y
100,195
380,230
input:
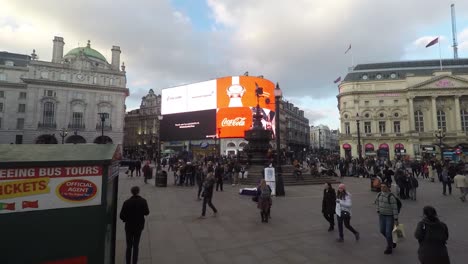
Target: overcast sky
x,y
298,43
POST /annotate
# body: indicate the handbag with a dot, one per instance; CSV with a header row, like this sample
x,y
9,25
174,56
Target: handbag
x,y
398,232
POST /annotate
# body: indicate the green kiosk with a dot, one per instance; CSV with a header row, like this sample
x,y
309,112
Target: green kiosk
x,y
58,203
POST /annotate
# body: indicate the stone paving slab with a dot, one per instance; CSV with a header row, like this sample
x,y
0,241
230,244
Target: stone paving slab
x,y
297,232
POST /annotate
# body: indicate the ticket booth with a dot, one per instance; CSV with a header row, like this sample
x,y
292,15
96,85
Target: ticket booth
x,y
58,203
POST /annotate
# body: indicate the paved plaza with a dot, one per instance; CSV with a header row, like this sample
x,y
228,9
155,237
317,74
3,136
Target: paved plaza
x,y
297,232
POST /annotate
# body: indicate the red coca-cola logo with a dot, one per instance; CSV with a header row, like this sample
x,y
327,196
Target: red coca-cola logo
x,y
238,121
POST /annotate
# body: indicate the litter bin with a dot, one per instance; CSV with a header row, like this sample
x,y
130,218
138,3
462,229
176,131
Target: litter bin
x,y
161,178
58,203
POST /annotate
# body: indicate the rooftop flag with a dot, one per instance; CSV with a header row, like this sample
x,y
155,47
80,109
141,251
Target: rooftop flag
x,y
433,42
349,48
337,80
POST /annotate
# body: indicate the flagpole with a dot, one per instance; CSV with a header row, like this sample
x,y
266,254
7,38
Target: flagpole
x,y
440,54
352,59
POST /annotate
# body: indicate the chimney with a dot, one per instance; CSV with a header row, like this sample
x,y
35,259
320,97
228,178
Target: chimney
x,y
57,52
115,57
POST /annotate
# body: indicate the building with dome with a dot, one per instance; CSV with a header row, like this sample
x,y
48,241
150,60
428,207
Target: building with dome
x,y
78,97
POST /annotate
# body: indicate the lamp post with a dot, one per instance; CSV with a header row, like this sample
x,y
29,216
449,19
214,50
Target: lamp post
x,y
218,136
359,147
279,179
158,156
102,116
63,134
440,135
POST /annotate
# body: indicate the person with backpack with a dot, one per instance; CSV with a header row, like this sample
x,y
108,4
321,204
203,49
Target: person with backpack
x,y
432,235
446,181
388,210
264,200
414,184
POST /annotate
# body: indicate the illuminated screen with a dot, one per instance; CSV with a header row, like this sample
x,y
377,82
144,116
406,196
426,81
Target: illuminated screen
x,y
232,99
189,126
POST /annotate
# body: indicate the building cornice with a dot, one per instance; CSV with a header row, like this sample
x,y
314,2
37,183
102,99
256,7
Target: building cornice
x,y
13,85
66,66
76,85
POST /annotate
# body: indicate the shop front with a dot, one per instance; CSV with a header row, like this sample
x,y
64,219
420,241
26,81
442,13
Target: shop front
x,y
383,151
369,150
347,151
400,150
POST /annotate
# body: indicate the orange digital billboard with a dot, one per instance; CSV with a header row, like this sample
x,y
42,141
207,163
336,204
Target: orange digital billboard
x,y
235,105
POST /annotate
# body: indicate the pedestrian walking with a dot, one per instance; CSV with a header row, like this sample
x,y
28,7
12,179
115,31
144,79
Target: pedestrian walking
x,y
414,184
264,200
343,212
219,175
200,178
138,168
446,181
432,235
329,205
461,182
133,214
387,208
131,167
207,193
147,171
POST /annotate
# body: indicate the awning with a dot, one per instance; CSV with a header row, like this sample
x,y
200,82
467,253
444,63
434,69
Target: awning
x,y
369,146
346,146
399,146
384,146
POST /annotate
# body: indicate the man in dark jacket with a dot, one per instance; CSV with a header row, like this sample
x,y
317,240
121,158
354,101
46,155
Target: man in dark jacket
x,y
328,205
207,194
133,214
138,168
219,173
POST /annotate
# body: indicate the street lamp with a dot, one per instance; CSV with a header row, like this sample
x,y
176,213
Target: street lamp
x,y
218,136
103,117
279,180
359,147
63,134
158,162
440,135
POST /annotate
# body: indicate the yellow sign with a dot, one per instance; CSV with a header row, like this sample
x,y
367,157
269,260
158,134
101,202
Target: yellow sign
x,y
22,188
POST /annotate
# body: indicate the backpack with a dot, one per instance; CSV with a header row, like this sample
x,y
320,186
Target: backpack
x,y
266,193
399,204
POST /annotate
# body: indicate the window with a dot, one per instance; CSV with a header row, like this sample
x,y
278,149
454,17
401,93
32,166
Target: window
x,y
48,116
381,127
9,63
1,107
2,76
380,101
94,80
63,77
419,121
21,108
22,95
2,94
441,121
49,93
347,128
463,115
366,102
20,123
396,126
381,114
77,119
0,123
395,101
367,127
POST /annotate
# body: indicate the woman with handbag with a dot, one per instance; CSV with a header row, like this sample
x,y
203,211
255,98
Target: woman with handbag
x,y
432,235
343,212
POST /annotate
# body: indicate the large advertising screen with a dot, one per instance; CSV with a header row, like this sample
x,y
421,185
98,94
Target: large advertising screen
x,y
233,100
189,126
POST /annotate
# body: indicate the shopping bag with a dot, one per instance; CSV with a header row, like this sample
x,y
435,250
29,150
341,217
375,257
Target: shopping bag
x,y
398,233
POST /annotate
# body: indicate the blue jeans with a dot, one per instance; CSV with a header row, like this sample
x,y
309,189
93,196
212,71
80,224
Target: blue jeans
x,y
386,228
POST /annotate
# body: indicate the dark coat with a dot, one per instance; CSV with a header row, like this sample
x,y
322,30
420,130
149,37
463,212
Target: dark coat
x,y
147,171
329,201
133,212
264,201
208,186
432,237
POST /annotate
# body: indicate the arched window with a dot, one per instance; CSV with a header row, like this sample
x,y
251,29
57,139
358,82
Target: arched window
x,y
48,114
464,119
441,120
231,145
419,121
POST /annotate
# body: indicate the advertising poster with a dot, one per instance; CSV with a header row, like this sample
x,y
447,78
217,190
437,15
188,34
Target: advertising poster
x,y
43,188
189,126
270,179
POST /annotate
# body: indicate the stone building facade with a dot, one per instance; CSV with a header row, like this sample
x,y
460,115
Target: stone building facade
x,y
402,106
46,102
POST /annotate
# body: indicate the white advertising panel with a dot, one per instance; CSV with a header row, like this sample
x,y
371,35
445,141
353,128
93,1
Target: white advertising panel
x,y
201,96
43,188
174,100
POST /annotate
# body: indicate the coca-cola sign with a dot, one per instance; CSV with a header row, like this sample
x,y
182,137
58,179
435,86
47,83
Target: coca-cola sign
x,y
238,122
